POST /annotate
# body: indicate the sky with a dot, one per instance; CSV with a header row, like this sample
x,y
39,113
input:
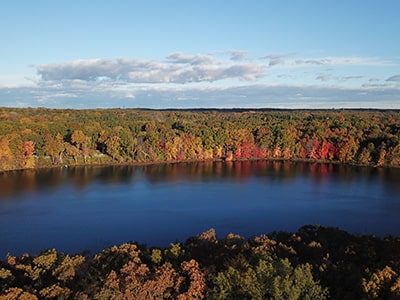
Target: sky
x,y
200,54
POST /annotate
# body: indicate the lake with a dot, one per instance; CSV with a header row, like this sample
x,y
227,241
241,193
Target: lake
x,y
90,208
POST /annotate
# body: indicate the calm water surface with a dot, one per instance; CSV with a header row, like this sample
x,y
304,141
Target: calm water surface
x,y
89,208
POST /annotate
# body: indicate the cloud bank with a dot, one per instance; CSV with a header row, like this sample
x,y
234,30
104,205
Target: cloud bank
x,y
258,95
219,79
176,68
290,61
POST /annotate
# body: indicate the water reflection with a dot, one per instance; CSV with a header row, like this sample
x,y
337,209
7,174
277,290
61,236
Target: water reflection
x,y
89,208
28,181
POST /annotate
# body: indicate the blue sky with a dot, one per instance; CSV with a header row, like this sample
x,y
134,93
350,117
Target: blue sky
x,y
158,54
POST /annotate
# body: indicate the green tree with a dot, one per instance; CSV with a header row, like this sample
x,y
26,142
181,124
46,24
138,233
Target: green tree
x,y
269,279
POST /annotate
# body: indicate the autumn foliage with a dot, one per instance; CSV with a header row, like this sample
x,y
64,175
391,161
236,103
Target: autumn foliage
x,y
313,263
32,138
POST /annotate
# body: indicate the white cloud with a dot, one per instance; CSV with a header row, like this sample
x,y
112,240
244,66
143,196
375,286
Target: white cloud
x,y
275,60
395,78
191,59
238,55
330,77
343,61
218,79
292,61
177,68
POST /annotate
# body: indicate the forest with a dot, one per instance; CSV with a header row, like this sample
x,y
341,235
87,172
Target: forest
x,y
36,138
313,263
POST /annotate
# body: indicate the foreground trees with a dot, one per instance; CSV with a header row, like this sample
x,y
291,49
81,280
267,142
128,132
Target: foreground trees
x,y
40,137
313,263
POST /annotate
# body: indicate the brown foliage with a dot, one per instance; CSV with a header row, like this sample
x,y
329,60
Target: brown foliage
x,y
197,286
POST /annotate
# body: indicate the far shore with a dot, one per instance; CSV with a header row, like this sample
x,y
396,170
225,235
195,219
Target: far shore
x,y
147,163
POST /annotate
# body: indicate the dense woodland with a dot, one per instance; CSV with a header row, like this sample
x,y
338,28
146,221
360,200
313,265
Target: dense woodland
x,y
31,138
313,263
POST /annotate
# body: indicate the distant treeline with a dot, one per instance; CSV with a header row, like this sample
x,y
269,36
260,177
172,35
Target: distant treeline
x,y
313,263
32,138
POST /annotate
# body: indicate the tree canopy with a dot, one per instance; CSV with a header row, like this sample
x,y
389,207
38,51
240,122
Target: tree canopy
x,y
32,138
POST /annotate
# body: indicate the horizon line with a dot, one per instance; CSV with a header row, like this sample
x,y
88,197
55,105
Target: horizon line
x,y
233,109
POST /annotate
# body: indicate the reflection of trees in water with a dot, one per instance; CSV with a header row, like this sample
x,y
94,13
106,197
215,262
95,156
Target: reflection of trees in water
x,y
220,171
390,177
83,176
17,182
26,181
197,171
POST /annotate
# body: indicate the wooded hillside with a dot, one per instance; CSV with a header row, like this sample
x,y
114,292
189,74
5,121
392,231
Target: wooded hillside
x,y
32,138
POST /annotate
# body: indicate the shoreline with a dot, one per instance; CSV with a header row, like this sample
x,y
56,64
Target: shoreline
x,y
134,164
93,252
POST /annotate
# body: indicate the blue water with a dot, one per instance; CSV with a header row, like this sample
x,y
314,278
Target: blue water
x,y
89,208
